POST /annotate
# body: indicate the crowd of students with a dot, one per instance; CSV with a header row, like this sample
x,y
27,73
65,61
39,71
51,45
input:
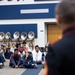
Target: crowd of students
x,y
22,55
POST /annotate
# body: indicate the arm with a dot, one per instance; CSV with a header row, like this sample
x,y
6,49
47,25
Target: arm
x,y
46,69
40,56
1,52
33,55
19,60
30,58
53,62
12,60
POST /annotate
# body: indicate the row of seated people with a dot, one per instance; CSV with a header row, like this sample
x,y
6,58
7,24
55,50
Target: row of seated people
x,y
6,51
19,60
22,57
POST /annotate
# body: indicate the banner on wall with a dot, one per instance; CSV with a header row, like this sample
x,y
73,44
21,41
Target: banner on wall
x,y
12,0
15,2
30,11
19,28
46,0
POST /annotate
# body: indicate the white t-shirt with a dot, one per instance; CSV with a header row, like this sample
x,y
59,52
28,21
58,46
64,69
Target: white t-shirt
x,y
37,56
12,49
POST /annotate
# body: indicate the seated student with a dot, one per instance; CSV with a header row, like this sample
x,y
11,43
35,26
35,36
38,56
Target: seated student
x,y
18,44
21,51
31,47
37,55
21,47
13,47
2,53
44,55
25,45
1,59
28,61
15,59
8,53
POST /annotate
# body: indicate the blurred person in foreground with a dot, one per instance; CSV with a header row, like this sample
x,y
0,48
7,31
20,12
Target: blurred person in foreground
x,y
61,59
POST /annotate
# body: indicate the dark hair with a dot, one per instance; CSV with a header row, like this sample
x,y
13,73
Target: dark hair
x,y
36,46
66,11
15,49
13,43
32,45
24,42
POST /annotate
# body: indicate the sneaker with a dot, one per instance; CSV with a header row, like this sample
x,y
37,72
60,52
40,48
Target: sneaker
x,y
21,66
43,66
0,67
13,66
35,66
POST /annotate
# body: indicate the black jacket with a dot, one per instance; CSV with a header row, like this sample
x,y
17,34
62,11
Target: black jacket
x,y
15,59
28,59
61,57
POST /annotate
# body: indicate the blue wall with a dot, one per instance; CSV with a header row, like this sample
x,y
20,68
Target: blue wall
x,y
13,11
20,28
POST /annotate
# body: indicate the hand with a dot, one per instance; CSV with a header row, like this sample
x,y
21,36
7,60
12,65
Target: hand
x,y
45,69
26,55
36,61
16,66
43,62
28,62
